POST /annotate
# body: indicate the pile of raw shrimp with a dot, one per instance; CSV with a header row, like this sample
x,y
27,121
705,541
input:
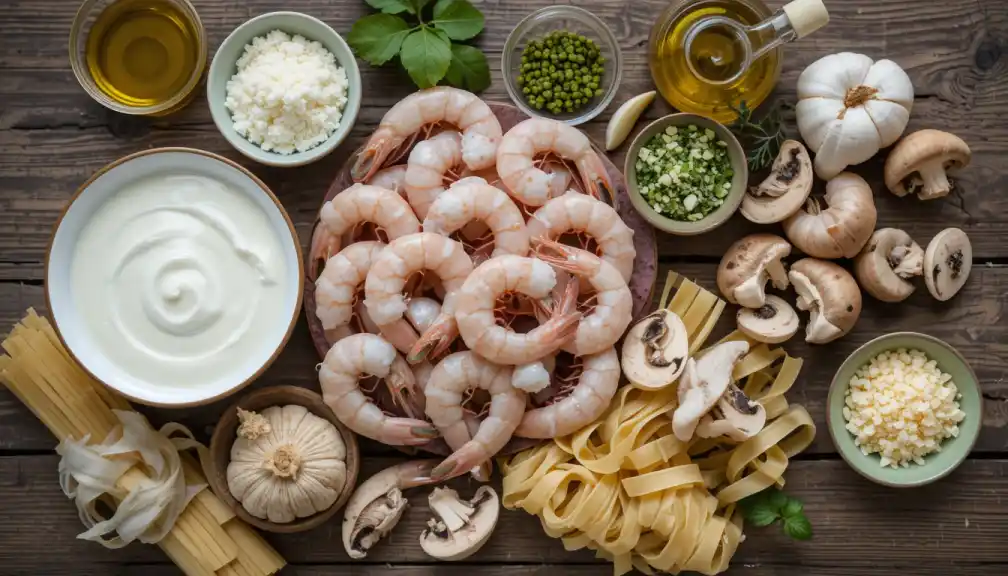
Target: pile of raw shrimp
x,y
444,278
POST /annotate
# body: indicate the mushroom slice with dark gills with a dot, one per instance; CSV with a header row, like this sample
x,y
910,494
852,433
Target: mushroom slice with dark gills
x,y
947,263
785,190
773,323
655,351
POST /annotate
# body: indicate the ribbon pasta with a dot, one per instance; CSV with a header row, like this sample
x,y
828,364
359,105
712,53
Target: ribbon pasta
x,y
627,488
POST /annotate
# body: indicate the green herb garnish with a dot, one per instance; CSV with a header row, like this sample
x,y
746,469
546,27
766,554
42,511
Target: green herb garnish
x,y
426,44
762,139
766,507
684,172
561,72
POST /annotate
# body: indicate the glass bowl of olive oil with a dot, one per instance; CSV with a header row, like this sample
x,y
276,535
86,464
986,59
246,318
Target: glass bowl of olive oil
x,y
706,79
140,57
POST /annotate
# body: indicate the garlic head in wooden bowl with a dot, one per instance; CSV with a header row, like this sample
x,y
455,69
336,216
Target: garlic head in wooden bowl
x,y
282,460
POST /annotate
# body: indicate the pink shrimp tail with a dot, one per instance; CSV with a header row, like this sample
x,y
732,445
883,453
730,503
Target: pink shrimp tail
x,y
324,245
407,432
467,458
435,341
368,162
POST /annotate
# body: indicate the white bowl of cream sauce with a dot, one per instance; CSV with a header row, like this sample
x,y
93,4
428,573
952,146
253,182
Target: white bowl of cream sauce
x,y
174,277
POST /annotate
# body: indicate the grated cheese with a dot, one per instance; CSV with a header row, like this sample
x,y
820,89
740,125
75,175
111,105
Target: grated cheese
x,y
901,406
288,94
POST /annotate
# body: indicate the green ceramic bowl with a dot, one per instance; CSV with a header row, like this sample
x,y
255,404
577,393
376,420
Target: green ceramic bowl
x,y
716,218
224,66
954,450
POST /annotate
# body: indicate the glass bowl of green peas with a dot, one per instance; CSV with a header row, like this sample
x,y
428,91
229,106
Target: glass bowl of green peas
x,y
562,62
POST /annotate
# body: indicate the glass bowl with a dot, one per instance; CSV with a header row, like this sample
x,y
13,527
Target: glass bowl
x,y
83,22
572,19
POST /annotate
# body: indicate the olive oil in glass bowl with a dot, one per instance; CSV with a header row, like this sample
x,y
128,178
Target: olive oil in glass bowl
x,y
715,53
142,57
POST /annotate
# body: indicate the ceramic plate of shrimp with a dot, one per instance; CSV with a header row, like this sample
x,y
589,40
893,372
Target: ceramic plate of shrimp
x,y
470,274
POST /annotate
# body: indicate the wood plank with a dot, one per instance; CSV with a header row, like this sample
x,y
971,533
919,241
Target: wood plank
x,y
974,323
52,138
960,520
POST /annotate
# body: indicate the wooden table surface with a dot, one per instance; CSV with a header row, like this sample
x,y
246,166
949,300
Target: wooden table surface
x,y
52,137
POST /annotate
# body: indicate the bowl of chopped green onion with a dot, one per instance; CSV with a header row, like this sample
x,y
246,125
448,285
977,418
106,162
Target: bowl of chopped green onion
x,y
562,62
686,174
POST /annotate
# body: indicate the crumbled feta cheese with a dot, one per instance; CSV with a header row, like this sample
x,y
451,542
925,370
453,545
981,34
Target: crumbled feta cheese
x,y
901,407
288,95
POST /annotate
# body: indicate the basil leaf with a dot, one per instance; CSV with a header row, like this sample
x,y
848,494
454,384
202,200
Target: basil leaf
x,y
392,6
761,516
776,499
378,38
458,18
798,527
426,56
468,69
792,508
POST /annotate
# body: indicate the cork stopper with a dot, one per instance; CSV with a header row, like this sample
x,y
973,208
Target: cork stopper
x,y
806,16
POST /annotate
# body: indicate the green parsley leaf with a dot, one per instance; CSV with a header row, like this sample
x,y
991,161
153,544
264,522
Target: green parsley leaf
x,y
392,6
761,516
377,38
792,508
468,69
458,18
798,527
776,499
426,56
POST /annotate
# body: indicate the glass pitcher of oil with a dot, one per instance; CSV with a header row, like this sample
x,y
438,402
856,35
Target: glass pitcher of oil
x,y
706,56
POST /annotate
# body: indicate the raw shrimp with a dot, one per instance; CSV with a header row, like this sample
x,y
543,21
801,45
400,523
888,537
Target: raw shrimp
x,y
522,174
392,178
422,312
449,382
580,213
476,302
473,200
404,257
431,168
337,288
339,375
424,110
357,205
589,398
611,305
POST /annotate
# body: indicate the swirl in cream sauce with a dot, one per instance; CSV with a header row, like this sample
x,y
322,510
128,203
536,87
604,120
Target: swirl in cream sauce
x,y
180,280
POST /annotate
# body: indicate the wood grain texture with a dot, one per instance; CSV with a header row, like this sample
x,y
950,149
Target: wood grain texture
x,y
975,323
857,525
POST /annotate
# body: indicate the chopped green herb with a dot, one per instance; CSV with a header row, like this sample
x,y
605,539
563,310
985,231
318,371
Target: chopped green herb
x,y
684,172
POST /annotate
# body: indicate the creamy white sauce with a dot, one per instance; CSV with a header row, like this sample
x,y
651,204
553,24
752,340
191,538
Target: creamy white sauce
x,y
179,279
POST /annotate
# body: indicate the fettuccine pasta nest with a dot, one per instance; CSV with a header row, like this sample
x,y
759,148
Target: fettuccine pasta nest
x,y
627,488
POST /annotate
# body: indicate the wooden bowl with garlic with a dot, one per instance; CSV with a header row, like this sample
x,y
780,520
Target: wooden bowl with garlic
x,y
282,461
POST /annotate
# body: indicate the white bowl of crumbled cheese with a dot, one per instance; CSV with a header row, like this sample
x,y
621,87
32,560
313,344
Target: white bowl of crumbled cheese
x,y
284,89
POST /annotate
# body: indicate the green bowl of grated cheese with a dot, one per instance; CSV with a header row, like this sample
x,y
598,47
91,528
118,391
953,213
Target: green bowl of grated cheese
x,y
896,399
686,174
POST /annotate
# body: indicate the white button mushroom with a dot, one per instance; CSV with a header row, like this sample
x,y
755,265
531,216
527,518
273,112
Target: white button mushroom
x,y
831,296
655,351
887,263
461,527
748,264
703,383
735,416
784,191
773,323
947,263
920,163
378,504
842,229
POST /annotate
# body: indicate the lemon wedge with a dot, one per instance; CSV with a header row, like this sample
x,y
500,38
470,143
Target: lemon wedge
x,y
623,120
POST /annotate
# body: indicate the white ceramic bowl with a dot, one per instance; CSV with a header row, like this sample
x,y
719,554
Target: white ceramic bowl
x,y
225,64
68,321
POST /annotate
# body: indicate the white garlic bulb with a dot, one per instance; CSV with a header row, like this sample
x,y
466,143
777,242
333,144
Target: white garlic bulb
x,y
286,463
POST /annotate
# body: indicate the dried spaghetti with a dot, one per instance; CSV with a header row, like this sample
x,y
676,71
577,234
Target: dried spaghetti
x,y
627,488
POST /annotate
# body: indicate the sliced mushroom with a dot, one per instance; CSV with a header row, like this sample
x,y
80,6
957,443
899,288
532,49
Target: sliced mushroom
x,y
378,504
655,351
887,263
773,323
703,383
460,527
784,190
831,296
748,264
842,229
735,416
947,263
920,163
